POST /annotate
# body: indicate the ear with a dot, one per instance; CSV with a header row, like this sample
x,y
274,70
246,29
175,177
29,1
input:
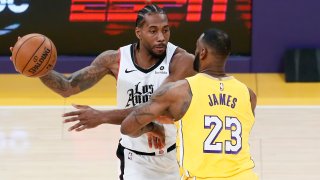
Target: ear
x,y
203,53
138,32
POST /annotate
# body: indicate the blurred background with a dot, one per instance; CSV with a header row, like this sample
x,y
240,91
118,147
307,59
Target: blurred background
x,y
275,52
279,38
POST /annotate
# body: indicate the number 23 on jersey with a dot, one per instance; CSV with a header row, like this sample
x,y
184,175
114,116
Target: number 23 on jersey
x,y
229,146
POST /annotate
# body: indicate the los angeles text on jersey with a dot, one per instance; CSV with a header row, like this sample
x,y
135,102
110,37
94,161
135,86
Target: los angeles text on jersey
x,y
139,94
222,99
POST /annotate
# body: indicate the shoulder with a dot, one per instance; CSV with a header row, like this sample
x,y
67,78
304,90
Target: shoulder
x,y
182,55
178,96
171,91
110,54
107,58
181,65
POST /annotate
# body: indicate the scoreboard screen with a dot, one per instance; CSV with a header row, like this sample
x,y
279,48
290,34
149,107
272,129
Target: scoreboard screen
x,y
88,27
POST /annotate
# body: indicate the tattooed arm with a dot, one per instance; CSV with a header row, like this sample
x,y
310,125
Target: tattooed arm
x,y
171,99
105,63
181,66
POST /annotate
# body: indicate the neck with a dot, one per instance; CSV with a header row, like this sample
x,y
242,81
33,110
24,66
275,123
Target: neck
x,y
214,73
144,59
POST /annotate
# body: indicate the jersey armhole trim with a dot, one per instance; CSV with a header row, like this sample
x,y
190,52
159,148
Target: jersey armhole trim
x,y
119,52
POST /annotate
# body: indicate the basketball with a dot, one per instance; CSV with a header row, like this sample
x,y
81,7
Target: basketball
x,y
34,55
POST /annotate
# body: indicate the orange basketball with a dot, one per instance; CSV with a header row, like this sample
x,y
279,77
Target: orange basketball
x,y
34,55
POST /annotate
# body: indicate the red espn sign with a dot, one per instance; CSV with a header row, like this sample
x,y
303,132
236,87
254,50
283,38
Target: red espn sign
x,y
124,11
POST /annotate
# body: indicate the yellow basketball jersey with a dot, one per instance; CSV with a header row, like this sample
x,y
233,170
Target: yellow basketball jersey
x,y
213,134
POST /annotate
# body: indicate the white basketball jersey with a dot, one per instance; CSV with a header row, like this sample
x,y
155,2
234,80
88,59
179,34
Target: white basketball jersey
x,y
136,85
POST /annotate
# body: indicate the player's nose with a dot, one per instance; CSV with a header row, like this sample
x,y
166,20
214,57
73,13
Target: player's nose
x,y
160,36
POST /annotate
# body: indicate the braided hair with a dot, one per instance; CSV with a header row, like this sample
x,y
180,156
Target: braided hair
x,y
148,9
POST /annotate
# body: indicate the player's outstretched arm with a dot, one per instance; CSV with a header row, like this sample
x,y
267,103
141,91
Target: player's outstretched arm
x,y
171,99
105,63
87,117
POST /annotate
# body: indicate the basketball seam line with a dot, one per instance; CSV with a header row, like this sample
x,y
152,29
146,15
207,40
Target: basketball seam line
x,y
15,58
44,39
47,61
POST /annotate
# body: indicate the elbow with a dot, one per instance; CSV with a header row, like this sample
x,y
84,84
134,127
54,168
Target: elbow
x,y
65,95
126,131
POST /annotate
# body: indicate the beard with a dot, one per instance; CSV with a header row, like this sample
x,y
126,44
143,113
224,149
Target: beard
x,y
196,63
158,56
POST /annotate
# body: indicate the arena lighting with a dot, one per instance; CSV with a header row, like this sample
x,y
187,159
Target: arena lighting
x,y
15,8
98,22
119,12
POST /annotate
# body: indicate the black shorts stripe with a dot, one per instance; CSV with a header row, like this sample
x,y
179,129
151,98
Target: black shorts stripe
x,y
120,155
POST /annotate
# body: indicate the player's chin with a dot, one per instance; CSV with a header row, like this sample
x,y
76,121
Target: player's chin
x,y
159,53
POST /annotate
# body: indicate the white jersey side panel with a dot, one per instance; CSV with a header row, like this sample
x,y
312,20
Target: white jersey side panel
x,y
135,86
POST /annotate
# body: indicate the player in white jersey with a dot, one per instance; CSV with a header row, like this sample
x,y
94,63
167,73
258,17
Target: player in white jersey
x,y
135,85
139,68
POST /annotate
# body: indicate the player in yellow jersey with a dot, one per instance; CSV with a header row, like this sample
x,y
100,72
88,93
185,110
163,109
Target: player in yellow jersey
x,y
215,113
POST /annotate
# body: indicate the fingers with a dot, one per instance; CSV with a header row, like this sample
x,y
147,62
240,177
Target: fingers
x,y
11,49
76,126
80,126
72,113
155,143
71,119
83,127
162,142
150,140
80,106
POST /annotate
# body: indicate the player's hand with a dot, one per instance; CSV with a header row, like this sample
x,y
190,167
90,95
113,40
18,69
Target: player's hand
x,y
11,48
165,120
156,137
86,118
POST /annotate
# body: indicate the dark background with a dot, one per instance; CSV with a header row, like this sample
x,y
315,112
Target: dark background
x,y
276,27
51,18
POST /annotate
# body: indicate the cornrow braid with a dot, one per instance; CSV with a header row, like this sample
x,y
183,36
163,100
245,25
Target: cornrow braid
x,y
150,8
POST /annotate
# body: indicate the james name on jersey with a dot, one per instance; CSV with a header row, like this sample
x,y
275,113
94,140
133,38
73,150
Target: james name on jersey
x,y
222,99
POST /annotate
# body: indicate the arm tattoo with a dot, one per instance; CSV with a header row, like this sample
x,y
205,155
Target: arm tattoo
x,y
89,76
82,79
55,81
140,112
86,78
185,104
162,91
